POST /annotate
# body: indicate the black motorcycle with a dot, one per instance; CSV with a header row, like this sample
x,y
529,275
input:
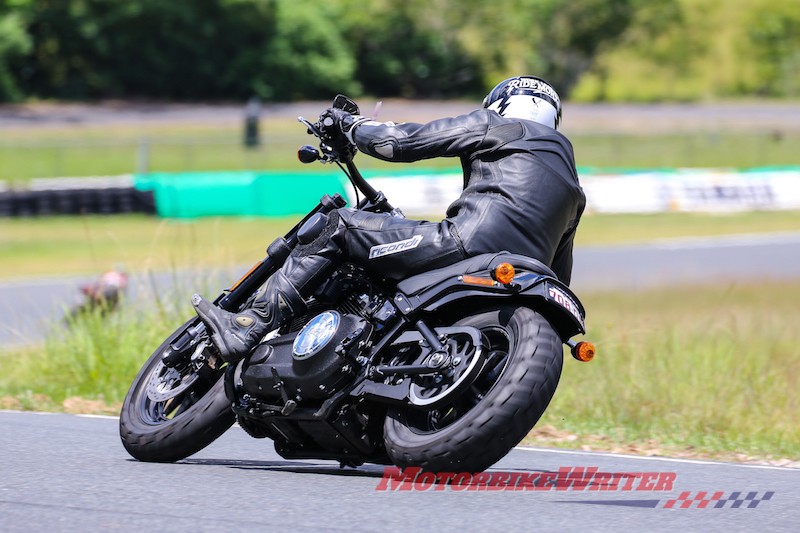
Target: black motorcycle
x,y
446,370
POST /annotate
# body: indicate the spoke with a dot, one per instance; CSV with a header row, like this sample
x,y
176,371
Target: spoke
x,y
187,402
167,408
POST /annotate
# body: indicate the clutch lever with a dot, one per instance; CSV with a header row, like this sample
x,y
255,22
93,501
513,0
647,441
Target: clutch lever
x,y
312,128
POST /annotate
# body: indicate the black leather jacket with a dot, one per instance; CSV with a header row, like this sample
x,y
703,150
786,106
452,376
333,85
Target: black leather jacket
x,y
521,191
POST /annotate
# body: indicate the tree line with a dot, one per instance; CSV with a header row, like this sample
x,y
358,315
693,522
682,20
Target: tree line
x,y
303,49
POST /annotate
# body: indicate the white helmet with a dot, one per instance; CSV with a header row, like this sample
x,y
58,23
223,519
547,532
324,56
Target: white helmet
x,y
526,97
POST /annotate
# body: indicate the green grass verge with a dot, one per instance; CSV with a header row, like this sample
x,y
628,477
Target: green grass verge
x,y
89,364
122,149
721,380
79,245
88,245
611,229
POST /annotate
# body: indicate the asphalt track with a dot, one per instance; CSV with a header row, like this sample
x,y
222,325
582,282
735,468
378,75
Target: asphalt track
x,y
64,473
28,308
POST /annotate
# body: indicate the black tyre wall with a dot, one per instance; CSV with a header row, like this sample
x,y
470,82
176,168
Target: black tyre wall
x,y
181,436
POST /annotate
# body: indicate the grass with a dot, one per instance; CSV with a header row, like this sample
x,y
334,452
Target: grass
x,y
79,245
50,246
620,229
723,380
90,365
728,150
122,149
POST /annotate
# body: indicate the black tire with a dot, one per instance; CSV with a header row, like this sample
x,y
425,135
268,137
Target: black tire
x,y
158,432
495,421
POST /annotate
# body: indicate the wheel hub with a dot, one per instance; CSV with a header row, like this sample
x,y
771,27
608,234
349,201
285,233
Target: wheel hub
x,y
466,356
166,383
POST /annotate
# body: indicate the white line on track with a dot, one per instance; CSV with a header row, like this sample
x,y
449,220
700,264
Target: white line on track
x,y
653,458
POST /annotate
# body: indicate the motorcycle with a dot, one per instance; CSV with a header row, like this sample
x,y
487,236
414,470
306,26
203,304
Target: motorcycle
x,y
447,370
101,296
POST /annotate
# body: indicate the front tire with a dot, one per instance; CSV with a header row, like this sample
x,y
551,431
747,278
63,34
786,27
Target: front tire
x,y
502,406
177,423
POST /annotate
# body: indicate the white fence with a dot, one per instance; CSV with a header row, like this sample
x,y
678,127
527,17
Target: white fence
x,y
691,190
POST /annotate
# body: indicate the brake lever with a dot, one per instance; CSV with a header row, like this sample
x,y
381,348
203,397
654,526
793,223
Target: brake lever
x,y
312,128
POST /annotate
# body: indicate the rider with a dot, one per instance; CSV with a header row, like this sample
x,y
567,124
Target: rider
x,y
521,194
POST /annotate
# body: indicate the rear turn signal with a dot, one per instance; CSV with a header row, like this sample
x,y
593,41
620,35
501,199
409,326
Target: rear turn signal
x,y
503,273
583,351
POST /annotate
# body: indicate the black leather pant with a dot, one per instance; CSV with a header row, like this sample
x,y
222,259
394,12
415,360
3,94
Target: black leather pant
x,y
392,247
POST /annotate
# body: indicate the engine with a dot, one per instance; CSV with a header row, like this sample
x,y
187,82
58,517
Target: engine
x,y
280,389
309,364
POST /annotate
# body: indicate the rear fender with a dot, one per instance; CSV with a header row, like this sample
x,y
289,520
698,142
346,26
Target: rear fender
x,y
541,292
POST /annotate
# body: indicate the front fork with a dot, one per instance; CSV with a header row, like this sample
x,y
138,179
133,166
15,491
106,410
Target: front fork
x,y
238,294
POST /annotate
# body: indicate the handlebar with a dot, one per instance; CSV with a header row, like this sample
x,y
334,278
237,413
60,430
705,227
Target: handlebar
x,y
373,200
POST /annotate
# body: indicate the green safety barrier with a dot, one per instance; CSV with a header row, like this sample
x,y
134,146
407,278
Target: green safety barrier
x,y
274,194
202,194
250,193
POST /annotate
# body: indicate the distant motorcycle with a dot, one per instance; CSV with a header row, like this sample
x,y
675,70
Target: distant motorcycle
x,y
446,370
102,295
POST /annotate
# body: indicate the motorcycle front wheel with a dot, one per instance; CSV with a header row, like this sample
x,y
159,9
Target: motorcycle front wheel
x,y
170,414
480,426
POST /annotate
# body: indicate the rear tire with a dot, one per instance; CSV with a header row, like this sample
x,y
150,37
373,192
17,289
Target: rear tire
x,y
176,427
500,415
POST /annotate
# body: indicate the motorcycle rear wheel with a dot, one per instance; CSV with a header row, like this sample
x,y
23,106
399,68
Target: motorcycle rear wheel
x,y
500,408
178,423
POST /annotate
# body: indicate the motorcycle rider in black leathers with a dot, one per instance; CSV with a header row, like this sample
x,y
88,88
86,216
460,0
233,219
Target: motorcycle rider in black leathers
x,y
521,195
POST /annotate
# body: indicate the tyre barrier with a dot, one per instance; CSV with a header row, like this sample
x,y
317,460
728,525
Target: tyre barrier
x,y
78,201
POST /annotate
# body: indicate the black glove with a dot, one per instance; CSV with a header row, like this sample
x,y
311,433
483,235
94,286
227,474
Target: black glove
x,y
337,126
336,121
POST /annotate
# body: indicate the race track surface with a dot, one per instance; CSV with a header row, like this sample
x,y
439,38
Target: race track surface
x,y
64,473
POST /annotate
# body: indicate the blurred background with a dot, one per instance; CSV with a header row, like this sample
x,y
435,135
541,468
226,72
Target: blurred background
x,y
280,50
136,61
179,118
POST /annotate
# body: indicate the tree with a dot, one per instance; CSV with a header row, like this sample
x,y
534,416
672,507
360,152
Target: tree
x,y
278,49
306,56
407,49
14,44
775,39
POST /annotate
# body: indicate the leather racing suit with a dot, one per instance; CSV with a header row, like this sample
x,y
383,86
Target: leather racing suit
x,y
521,194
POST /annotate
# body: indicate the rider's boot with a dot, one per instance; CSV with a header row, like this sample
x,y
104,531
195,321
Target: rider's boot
x,y
236,334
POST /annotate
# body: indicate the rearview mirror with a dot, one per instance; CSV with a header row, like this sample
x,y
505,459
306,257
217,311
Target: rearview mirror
x,y
345,104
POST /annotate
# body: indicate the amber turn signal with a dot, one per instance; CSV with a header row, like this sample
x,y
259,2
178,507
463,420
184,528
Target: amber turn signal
x,y
475,280
503,273
583,351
